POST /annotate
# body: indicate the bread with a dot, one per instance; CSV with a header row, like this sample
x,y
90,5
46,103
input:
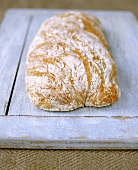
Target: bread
x,y
69,65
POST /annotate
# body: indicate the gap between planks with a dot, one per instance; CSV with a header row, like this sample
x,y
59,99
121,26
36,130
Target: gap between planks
x,y
9,101
108,117
11,43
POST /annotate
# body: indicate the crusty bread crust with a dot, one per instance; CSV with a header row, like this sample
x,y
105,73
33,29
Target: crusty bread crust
x,y
69,65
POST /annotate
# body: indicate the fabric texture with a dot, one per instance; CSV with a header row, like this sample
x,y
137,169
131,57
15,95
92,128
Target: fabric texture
x,y
15,159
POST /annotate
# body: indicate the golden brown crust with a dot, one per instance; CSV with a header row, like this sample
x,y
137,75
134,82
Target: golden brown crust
x,y
69,65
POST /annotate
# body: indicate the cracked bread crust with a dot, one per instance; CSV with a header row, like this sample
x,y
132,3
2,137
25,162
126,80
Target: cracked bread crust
x,y
69,65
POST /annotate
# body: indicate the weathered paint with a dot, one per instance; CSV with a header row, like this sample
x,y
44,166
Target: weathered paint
x,y
113,127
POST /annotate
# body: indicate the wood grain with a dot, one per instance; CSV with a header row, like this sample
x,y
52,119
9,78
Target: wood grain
x,y
12,36
123,41
68,132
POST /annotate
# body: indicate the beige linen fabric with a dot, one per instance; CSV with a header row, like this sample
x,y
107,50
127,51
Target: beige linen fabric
x,y
15,159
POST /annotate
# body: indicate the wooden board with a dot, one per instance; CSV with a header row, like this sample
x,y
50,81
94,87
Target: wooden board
x,y
12,39
25,126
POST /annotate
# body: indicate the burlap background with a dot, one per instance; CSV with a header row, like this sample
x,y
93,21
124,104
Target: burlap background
x,y
131,5
13,159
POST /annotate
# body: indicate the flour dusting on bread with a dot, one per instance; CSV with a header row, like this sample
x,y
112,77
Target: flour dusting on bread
x,y
69,65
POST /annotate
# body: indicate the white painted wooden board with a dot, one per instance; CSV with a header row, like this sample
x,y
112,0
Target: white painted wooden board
x,y
68,132
113,127
123,41
12,36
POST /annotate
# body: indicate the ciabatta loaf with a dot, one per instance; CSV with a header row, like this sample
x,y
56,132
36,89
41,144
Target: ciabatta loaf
x,y
69,65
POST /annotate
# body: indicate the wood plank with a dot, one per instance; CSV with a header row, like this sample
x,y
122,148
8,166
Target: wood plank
x,y
121,30
12,36
40,11
68,133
